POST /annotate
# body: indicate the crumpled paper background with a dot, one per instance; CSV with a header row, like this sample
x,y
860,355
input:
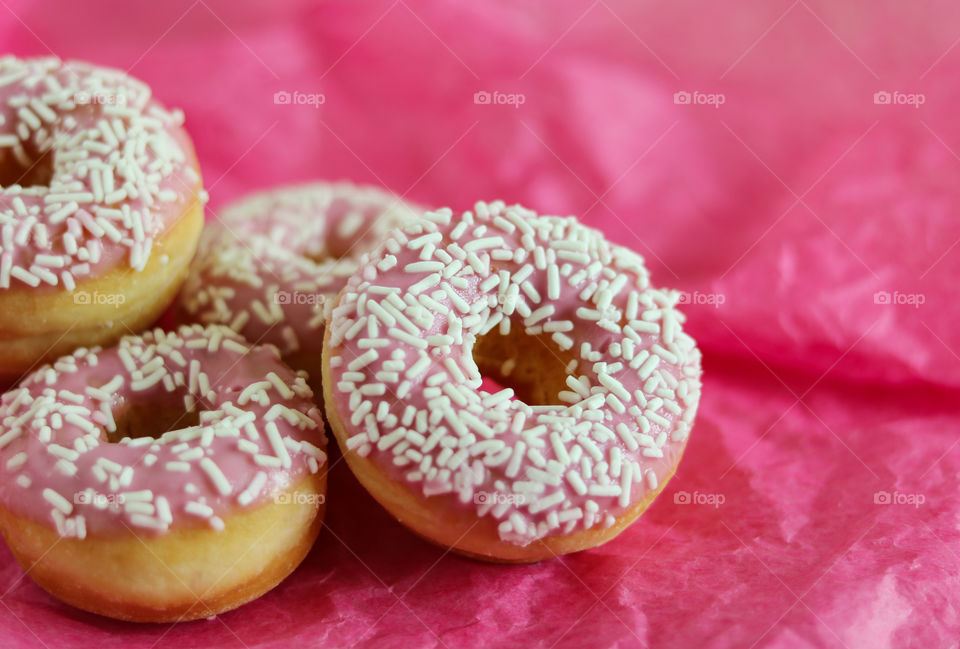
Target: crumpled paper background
x,y
814,230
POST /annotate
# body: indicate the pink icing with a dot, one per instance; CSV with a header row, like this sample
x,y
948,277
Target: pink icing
x,y
258,431
271,264
122,172
409,392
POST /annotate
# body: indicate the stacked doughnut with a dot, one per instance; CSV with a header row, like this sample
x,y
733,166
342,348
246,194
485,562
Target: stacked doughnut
x,y
274,261
606,382
101,208
171,477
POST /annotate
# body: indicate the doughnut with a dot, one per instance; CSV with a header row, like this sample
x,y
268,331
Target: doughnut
x,y
101,208
272,264
508,385
171,477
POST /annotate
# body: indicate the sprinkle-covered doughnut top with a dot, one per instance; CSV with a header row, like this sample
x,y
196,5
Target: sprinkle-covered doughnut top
x,y
255,431
111,171
271,265
408,388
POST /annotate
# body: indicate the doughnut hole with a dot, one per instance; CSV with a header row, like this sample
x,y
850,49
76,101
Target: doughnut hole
x,y
533,366
33,169
353,228
152,416
143,419
323,252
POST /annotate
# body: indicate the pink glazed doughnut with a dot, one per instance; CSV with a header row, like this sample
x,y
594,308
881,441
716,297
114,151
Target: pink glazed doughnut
x,y
101,208
272,264
172,477
605,382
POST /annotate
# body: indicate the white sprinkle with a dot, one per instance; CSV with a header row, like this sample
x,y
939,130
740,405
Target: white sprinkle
x,y
216,476
483,243
626,481
198,509
17,461
363,360
514,466
427,282
163,510
604,490
648,366
276,443
407,338
253,489
495,399
24,276
270,461
555,498
614,386
651,480
563,341
58,501
423,267
576,482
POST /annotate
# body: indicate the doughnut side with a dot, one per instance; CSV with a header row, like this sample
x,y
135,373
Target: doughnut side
x,y
188,574
439,520
40,325
309,360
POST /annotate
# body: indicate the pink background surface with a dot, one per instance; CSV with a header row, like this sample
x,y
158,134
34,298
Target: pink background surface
x,y
792,203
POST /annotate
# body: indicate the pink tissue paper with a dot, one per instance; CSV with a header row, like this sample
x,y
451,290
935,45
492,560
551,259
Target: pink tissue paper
x,y
791,166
